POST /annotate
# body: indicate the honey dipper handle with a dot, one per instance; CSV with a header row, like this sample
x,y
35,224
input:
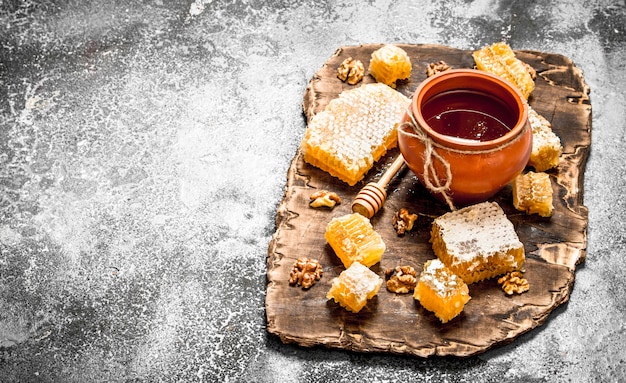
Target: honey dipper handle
x,y
389,173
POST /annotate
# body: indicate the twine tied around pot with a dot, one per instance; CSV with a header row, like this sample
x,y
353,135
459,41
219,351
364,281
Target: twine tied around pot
x,y
431,154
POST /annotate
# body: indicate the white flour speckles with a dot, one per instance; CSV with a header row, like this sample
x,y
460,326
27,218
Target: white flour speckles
x,y
566,14
155,355
479,8
196,153
66,221
283,369
196,8
9,237
14,331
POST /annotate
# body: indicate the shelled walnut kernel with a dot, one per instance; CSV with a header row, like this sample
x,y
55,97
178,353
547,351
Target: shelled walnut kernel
x,y
305,272
324,198
438,67
401,280
351,71
403,221
514,283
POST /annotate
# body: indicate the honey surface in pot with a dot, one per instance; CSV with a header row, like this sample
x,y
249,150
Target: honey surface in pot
x,y
468,114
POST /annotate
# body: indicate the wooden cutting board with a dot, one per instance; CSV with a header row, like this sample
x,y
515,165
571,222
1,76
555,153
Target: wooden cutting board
x,y
396,323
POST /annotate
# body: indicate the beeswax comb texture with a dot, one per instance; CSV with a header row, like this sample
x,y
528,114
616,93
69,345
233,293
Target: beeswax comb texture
x,y
499,59
354,131
477,242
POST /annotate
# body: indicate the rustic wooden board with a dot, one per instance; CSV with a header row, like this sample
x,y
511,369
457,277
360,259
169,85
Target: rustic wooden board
x,y
397,323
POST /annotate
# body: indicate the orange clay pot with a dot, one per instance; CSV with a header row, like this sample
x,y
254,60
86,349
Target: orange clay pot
x,y
478,169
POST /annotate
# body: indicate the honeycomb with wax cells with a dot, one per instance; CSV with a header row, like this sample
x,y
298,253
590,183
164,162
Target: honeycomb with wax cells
x,y
440,291
354,131
500,60
354,239
546,150
532,193
389,64
477,242
354,287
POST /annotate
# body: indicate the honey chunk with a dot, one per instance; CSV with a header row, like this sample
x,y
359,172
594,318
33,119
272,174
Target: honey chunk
x,y
440,291
477,242
389,64
499,59
353,239
532,193
546,150
354,287
354,131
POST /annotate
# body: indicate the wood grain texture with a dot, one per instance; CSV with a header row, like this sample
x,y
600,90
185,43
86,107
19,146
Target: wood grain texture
x,y
397,323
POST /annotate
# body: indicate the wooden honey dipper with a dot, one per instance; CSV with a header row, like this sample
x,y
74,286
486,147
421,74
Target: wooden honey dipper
x,y
373,195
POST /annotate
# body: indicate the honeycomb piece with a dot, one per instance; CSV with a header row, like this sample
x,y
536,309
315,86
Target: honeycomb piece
x,y
440,291
354,287
532,193
499,59
389,64
477,242
547,149
353,239
354,131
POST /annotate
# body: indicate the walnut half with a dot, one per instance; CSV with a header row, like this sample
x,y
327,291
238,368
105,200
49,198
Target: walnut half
x,y
351,71
324,198
403,221
401,280
305,272
514,283
438,67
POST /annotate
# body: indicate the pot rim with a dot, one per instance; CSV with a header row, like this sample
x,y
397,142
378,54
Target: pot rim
x,y
472,79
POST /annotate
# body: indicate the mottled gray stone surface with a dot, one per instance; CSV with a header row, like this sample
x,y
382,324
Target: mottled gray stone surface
x,y
143,153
